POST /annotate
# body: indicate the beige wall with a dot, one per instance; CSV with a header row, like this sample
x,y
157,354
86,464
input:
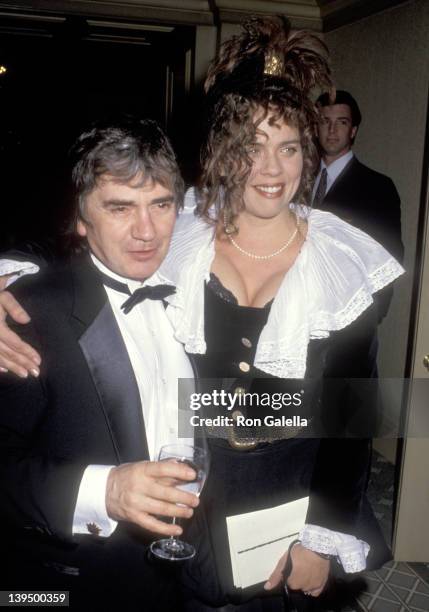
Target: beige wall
x,y
205,50
384,61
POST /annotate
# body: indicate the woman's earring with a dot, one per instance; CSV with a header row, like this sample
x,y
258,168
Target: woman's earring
x,y
228,226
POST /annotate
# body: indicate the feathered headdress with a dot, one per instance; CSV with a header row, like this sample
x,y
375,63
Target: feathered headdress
x,y
268,53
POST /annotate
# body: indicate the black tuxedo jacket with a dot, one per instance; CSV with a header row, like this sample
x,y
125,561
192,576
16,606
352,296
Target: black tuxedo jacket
x,y
83,409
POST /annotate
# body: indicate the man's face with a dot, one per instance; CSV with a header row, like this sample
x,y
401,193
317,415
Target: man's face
x,y
129,225
336,132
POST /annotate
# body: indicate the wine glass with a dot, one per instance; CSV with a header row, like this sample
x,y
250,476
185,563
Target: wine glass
x,y
197,458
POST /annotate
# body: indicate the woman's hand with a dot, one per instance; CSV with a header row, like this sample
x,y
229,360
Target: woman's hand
x,y
15,355
309,572
3,281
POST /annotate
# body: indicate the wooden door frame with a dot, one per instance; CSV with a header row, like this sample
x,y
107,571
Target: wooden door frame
x,y
410,531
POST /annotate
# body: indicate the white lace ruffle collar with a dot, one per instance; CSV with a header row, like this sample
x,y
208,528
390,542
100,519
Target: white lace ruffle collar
x,y
330,284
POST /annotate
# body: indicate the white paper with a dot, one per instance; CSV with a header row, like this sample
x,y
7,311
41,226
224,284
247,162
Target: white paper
x,y
258,539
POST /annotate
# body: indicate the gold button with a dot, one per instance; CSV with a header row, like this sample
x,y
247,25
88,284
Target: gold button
x,y
244,366
239,390
246,342
236,414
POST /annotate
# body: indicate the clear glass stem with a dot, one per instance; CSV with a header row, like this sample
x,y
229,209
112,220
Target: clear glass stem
x,y
174,545
173,522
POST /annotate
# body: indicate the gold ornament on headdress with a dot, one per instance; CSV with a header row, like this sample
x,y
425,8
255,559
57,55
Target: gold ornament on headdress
x,y
274,64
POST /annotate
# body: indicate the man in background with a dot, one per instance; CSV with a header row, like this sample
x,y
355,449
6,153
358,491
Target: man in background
x,y
346,187
366,199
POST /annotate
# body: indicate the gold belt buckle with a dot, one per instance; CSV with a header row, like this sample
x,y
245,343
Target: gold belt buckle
x,y
234,441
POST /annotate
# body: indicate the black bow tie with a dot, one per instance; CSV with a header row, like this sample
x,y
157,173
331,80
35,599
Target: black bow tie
x,y
155,292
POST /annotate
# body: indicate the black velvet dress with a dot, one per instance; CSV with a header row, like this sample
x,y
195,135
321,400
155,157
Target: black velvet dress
x,y
333,471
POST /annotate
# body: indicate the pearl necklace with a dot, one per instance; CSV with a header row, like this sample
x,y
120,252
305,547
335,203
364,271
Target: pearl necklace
x,y
280,250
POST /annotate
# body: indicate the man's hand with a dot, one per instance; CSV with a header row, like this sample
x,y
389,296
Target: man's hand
x,y
309,572
15,355
138,492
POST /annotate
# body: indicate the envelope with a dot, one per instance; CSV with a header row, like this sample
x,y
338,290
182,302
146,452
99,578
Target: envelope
x,y
258,539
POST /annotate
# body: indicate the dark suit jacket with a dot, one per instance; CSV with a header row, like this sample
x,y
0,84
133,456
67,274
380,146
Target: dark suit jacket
x,y
84,409
369,200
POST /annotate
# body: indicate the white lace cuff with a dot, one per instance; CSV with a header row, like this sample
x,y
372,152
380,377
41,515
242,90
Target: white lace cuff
x,y
17,268
351,552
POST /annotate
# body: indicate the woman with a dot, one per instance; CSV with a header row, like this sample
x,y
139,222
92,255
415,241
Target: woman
x,y
263,286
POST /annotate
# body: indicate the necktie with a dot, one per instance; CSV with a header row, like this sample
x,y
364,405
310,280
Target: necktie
x,y
155,292
321,189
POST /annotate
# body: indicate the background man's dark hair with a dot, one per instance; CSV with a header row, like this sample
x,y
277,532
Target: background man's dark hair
x,y
343,97
124,148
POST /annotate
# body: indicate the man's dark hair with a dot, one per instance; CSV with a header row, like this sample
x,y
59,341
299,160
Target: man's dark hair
x,y
343,97
125,148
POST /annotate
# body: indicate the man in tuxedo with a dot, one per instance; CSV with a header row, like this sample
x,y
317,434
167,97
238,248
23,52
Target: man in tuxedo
x,y
363,197
81,492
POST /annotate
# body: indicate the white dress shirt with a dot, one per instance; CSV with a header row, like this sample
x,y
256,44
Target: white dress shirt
x,y
158,362
333,171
